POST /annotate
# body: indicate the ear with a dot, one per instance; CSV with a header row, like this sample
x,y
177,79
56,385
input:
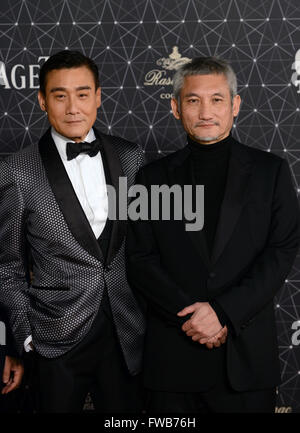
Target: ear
x,y
236,105
175,108
42,101
98,97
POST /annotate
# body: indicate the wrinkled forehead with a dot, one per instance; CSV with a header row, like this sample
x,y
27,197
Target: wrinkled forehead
x,y
205,85
70,78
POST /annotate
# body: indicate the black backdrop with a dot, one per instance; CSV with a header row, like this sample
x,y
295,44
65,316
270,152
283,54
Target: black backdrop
x,y
137,44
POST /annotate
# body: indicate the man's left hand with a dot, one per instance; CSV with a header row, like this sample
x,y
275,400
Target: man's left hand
x,y
216,340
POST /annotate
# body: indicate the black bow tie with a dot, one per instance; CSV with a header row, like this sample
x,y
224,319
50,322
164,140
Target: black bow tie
x,y
74,149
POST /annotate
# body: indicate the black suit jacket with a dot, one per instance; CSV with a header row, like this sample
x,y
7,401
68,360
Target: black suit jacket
x,y
256,241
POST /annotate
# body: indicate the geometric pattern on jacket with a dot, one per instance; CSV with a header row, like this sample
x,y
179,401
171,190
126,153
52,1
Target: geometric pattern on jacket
x,y
58,307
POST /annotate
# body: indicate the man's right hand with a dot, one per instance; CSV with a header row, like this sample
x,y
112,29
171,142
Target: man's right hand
x,y
12,374
204,325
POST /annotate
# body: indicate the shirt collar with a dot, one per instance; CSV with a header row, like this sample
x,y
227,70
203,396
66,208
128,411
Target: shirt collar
x,y
61,142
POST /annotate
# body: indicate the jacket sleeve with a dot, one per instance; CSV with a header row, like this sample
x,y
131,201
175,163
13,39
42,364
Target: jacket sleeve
x,y
13,270
145,273
242,302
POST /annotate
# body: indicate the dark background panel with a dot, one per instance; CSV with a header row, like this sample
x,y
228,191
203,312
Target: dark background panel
x,y
136,44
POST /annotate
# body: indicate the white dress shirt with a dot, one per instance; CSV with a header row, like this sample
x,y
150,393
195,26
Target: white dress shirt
x,y
88,180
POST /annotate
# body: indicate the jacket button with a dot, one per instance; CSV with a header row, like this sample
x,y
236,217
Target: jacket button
x,y
212,275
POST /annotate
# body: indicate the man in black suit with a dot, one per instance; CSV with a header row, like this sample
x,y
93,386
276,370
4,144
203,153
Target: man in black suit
x,y
211,342
75,311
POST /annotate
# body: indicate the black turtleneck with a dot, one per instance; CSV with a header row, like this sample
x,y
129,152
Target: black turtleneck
x,y
210,166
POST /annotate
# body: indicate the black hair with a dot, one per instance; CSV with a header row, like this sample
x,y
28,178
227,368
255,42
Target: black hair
x,y
67,59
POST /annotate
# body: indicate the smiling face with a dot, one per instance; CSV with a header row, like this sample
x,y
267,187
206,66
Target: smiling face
x,y
205,109
71,101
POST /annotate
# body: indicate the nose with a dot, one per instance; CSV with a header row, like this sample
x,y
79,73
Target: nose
x,y
71,106
205,112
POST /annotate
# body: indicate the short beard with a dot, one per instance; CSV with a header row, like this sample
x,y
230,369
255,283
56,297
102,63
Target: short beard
x,y
206,139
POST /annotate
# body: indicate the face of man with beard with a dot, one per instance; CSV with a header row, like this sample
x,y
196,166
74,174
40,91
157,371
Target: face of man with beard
x,y
205,107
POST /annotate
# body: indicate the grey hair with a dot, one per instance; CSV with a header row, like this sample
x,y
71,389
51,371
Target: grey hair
x,y
205,66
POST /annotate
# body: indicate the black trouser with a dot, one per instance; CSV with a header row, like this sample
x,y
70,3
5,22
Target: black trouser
x,y
221,398
95,365
212,402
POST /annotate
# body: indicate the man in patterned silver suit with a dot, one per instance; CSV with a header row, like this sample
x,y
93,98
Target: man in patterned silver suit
x,y
75,311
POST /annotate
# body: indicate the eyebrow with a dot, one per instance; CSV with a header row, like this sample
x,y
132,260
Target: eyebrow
x,y
218,94
188,95
63,89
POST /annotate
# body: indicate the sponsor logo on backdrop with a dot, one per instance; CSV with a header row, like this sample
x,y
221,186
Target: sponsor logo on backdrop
x,y
88,405
21,76
296,335
283,409
162,76
296,67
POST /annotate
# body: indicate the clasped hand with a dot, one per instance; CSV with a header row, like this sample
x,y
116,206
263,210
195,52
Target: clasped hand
x,y
204,325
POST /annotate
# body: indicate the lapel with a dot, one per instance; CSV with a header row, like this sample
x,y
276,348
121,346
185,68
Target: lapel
x,y
112,158
181,173
66,197
239,170
68,202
